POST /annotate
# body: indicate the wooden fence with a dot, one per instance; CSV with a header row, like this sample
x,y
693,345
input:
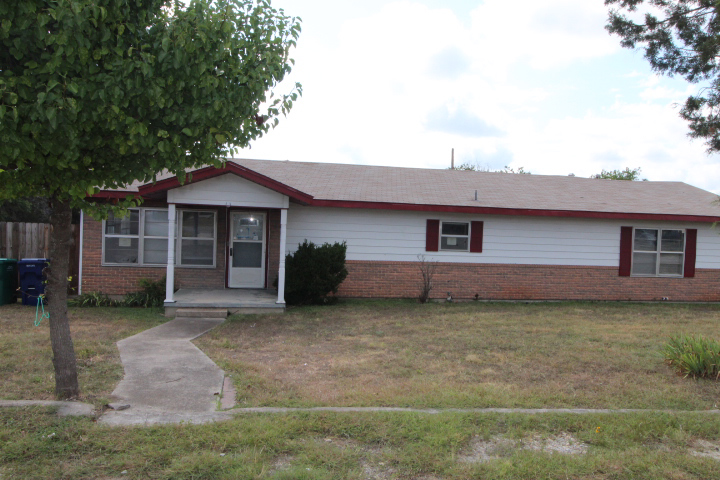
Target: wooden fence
x,y
32,240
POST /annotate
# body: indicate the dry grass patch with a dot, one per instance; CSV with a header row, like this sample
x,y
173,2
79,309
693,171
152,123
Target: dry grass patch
x,y
25,352
481,450
398,353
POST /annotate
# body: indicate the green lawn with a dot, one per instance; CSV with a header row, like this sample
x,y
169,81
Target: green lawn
x,y
25,354
385,353
37,445
395,353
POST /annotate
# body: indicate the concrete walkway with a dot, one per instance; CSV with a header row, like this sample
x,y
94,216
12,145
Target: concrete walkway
x,y
167,377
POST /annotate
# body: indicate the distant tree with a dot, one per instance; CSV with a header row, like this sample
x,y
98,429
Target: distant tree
x,y
474,167
520,170
680,37
100,93
627,174
25,209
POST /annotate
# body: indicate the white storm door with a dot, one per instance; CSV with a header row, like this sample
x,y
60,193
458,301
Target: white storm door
x,y
246,262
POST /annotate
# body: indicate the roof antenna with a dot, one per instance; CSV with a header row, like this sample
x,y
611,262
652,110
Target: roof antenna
x,y
452,159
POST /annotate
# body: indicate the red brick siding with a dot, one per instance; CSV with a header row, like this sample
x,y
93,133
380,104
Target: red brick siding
x,y
117,280
523,282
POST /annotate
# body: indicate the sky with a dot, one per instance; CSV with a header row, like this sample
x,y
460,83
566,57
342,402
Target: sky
x,y
523,83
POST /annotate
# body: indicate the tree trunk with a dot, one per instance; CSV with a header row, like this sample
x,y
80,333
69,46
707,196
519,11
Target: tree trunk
x,y
66,382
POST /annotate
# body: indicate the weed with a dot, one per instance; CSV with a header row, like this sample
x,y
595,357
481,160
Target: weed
x,y
696,357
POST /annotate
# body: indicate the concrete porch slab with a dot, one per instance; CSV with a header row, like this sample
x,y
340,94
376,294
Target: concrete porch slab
x,y
235,300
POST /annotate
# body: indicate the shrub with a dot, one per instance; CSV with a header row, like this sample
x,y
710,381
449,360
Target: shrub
x,y
152,294
92,299
694,357
313,272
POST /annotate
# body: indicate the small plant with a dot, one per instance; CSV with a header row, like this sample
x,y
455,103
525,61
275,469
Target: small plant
x,y
313,272
427,269
152,294
695,357
93,299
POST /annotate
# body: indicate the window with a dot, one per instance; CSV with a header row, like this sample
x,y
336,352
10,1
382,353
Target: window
x,y
454,236
141,238
197,241
658,252
122,239
155,237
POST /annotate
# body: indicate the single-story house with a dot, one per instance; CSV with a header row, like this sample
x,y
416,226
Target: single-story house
x,y
492,235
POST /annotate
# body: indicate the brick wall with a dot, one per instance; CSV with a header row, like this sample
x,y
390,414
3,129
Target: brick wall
x,y
523,282
119,280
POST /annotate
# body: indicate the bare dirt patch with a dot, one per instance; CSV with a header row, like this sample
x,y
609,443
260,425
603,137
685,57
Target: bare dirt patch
x,y
480,450
704,448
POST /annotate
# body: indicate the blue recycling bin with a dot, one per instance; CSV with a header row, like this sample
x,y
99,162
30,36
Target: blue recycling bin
x,y
32,280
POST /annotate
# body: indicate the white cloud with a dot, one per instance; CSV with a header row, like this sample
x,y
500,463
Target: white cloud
x,y
404,83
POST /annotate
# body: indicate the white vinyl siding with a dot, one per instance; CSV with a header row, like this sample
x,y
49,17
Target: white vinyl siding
x,y
227,190
400,236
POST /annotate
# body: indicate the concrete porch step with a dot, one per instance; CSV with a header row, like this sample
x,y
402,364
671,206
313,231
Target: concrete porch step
x,y
191,312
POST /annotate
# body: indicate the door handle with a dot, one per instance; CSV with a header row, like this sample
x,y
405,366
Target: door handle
x,y
231,251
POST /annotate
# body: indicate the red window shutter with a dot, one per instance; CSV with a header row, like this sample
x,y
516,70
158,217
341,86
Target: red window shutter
x,y
626,234
476,237
690,251
432,236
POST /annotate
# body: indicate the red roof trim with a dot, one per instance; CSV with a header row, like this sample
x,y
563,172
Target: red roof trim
x,y
240,171
512,211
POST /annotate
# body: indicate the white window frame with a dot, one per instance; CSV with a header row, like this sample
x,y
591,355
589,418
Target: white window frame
x,y
137,236
141,244
179,238
178,241
441,235
659,253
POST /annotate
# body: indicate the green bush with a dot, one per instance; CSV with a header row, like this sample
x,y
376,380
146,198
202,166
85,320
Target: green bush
x,y
93,299
152,294
313,272
694,357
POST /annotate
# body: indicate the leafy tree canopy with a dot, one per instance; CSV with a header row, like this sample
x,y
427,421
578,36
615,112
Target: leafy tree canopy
x,y
100,93
680,37
103,92
627,174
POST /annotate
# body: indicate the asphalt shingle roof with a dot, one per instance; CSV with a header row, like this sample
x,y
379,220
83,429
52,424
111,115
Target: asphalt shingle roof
x,y
418,186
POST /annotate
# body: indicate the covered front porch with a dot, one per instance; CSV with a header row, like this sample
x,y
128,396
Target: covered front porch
x,y
248,242
231,300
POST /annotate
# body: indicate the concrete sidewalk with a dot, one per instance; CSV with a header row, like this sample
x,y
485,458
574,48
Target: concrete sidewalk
x,y
166,375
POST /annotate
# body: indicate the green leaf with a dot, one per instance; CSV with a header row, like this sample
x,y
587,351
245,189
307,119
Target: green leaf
x,y
51,114
73,88
187,131
220,138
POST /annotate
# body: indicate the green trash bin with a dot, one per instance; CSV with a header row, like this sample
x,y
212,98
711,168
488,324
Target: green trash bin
x,y
8,281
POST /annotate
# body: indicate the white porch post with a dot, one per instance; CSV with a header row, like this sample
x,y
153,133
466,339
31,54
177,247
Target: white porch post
x,y
281,270
170,275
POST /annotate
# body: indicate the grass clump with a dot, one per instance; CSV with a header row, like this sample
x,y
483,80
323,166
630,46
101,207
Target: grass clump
x,y
696,357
